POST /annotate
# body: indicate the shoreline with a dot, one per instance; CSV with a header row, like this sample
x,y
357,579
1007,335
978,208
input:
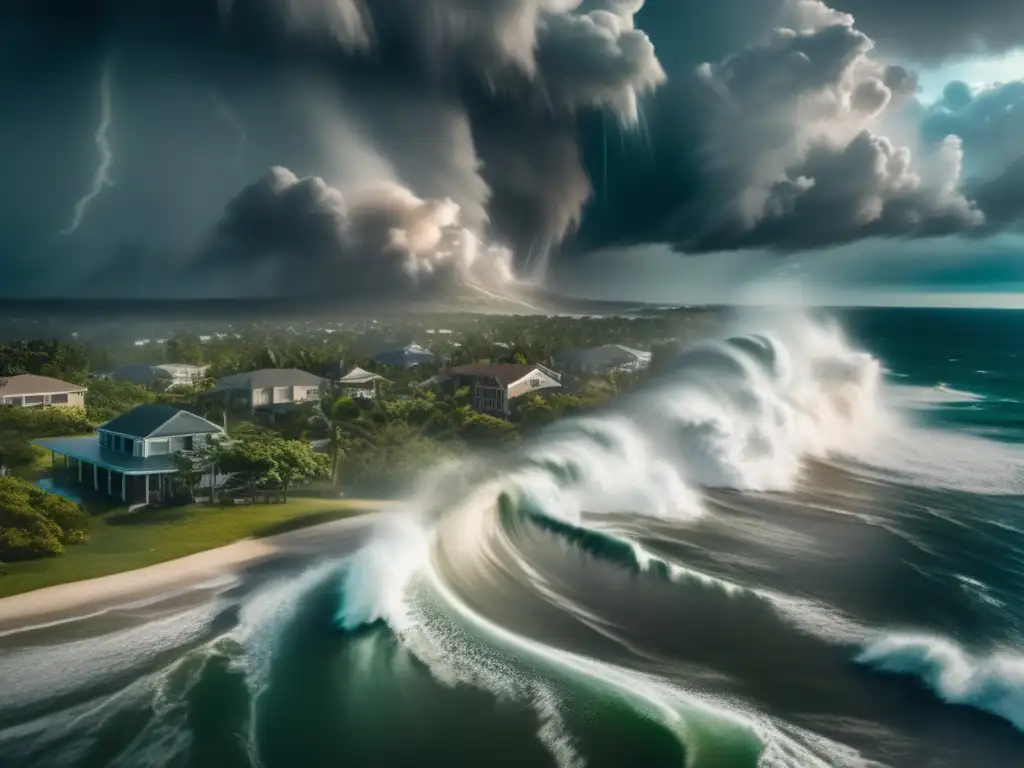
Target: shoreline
x,y
81,599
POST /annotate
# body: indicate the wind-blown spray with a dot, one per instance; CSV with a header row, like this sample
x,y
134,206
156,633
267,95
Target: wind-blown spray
x,y
742,413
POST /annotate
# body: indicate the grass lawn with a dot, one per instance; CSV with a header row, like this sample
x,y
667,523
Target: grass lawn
x,y
122,541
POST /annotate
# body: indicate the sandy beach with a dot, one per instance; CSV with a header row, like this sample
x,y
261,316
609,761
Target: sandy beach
x,y
84,598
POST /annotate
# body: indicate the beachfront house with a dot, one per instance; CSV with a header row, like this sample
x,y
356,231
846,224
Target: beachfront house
x,y
30,391
603,359
269,388
131,457
493,386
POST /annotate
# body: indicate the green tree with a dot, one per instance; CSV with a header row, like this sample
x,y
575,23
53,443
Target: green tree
x,y
34,523
184,347
108,398
45,357
295,461
192,466
248,464
257,459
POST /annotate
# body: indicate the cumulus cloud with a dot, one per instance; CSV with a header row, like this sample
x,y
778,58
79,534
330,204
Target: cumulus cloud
x,y
989,120
308,238
769,124
939,29
792,152
1002,197
990,123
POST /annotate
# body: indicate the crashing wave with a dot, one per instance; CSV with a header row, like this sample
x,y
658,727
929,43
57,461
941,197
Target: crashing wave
x,y
993,683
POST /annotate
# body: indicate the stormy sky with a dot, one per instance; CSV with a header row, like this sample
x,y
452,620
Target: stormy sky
x,y
671,150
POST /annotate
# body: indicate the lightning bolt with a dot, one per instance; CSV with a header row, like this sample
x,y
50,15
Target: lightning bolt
x,y
101,179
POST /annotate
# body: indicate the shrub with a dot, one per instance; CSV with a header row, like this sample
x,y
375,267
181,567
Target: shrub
x,y
34,523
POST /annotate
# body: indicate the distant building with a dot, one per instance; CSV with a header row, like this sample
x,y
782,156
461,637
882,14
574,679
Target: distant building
x,y
406,357
609,357
494,386
269,388
163,375
30,391
132,456
359,383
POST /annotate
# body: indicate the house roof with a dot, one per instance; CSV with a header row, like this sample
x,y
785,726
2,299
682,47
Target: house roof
x,y
87,448
30,384
360,376
269,377
502,373
159,420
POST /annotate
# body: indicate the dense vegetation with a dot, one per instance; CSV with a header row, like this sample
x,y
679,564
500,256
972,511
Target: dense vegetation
x,y
257,462
34,523
359,443
18,426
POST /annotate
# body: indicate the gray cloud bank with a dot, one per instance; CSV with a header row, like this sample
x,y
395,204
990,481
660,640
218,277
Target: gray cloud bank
x,y
414,145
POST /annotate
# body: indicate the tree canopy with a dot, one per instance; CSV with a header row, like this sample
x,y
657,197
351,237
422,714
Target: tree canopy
x,y
34,523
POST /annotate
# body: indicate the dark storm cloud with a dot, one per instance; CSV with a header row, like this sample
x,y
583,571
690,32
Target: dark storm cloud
x,y
403,92
793,155
306,237
551,126
1003,197
990,122
938,29
793,140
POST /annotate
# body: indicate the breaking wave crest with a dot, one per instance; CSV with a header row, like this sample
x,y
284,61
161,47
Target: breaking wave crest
x,y
993,683
743,413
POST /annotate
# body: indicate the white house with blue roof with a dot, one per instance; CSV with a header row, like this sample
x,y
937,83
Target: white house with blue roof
x,y
131,457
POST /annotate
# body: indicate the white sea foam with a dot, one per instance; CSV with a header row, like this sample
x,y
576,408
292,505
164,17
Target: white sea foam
x,y
946,460
926,398
993,682
34,674
742,413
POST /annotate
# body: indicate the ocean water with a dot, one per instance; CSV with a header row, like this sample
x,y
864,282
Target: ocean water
x,y
802,546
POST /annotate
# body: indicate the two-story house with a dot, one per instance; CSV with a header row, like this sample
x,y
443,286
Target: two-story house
x,y
269,388
493,386
28,390
131,457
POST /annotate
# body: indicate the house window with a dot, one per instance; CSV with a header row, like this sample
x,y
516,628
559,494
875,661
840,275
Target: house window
x,y
33,399
59,399
489,399
181,444
535,382
159,447
282,394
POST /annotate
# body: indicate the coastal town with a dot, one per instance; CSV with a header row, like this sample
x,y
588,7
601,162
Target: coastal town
x,y
245,428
